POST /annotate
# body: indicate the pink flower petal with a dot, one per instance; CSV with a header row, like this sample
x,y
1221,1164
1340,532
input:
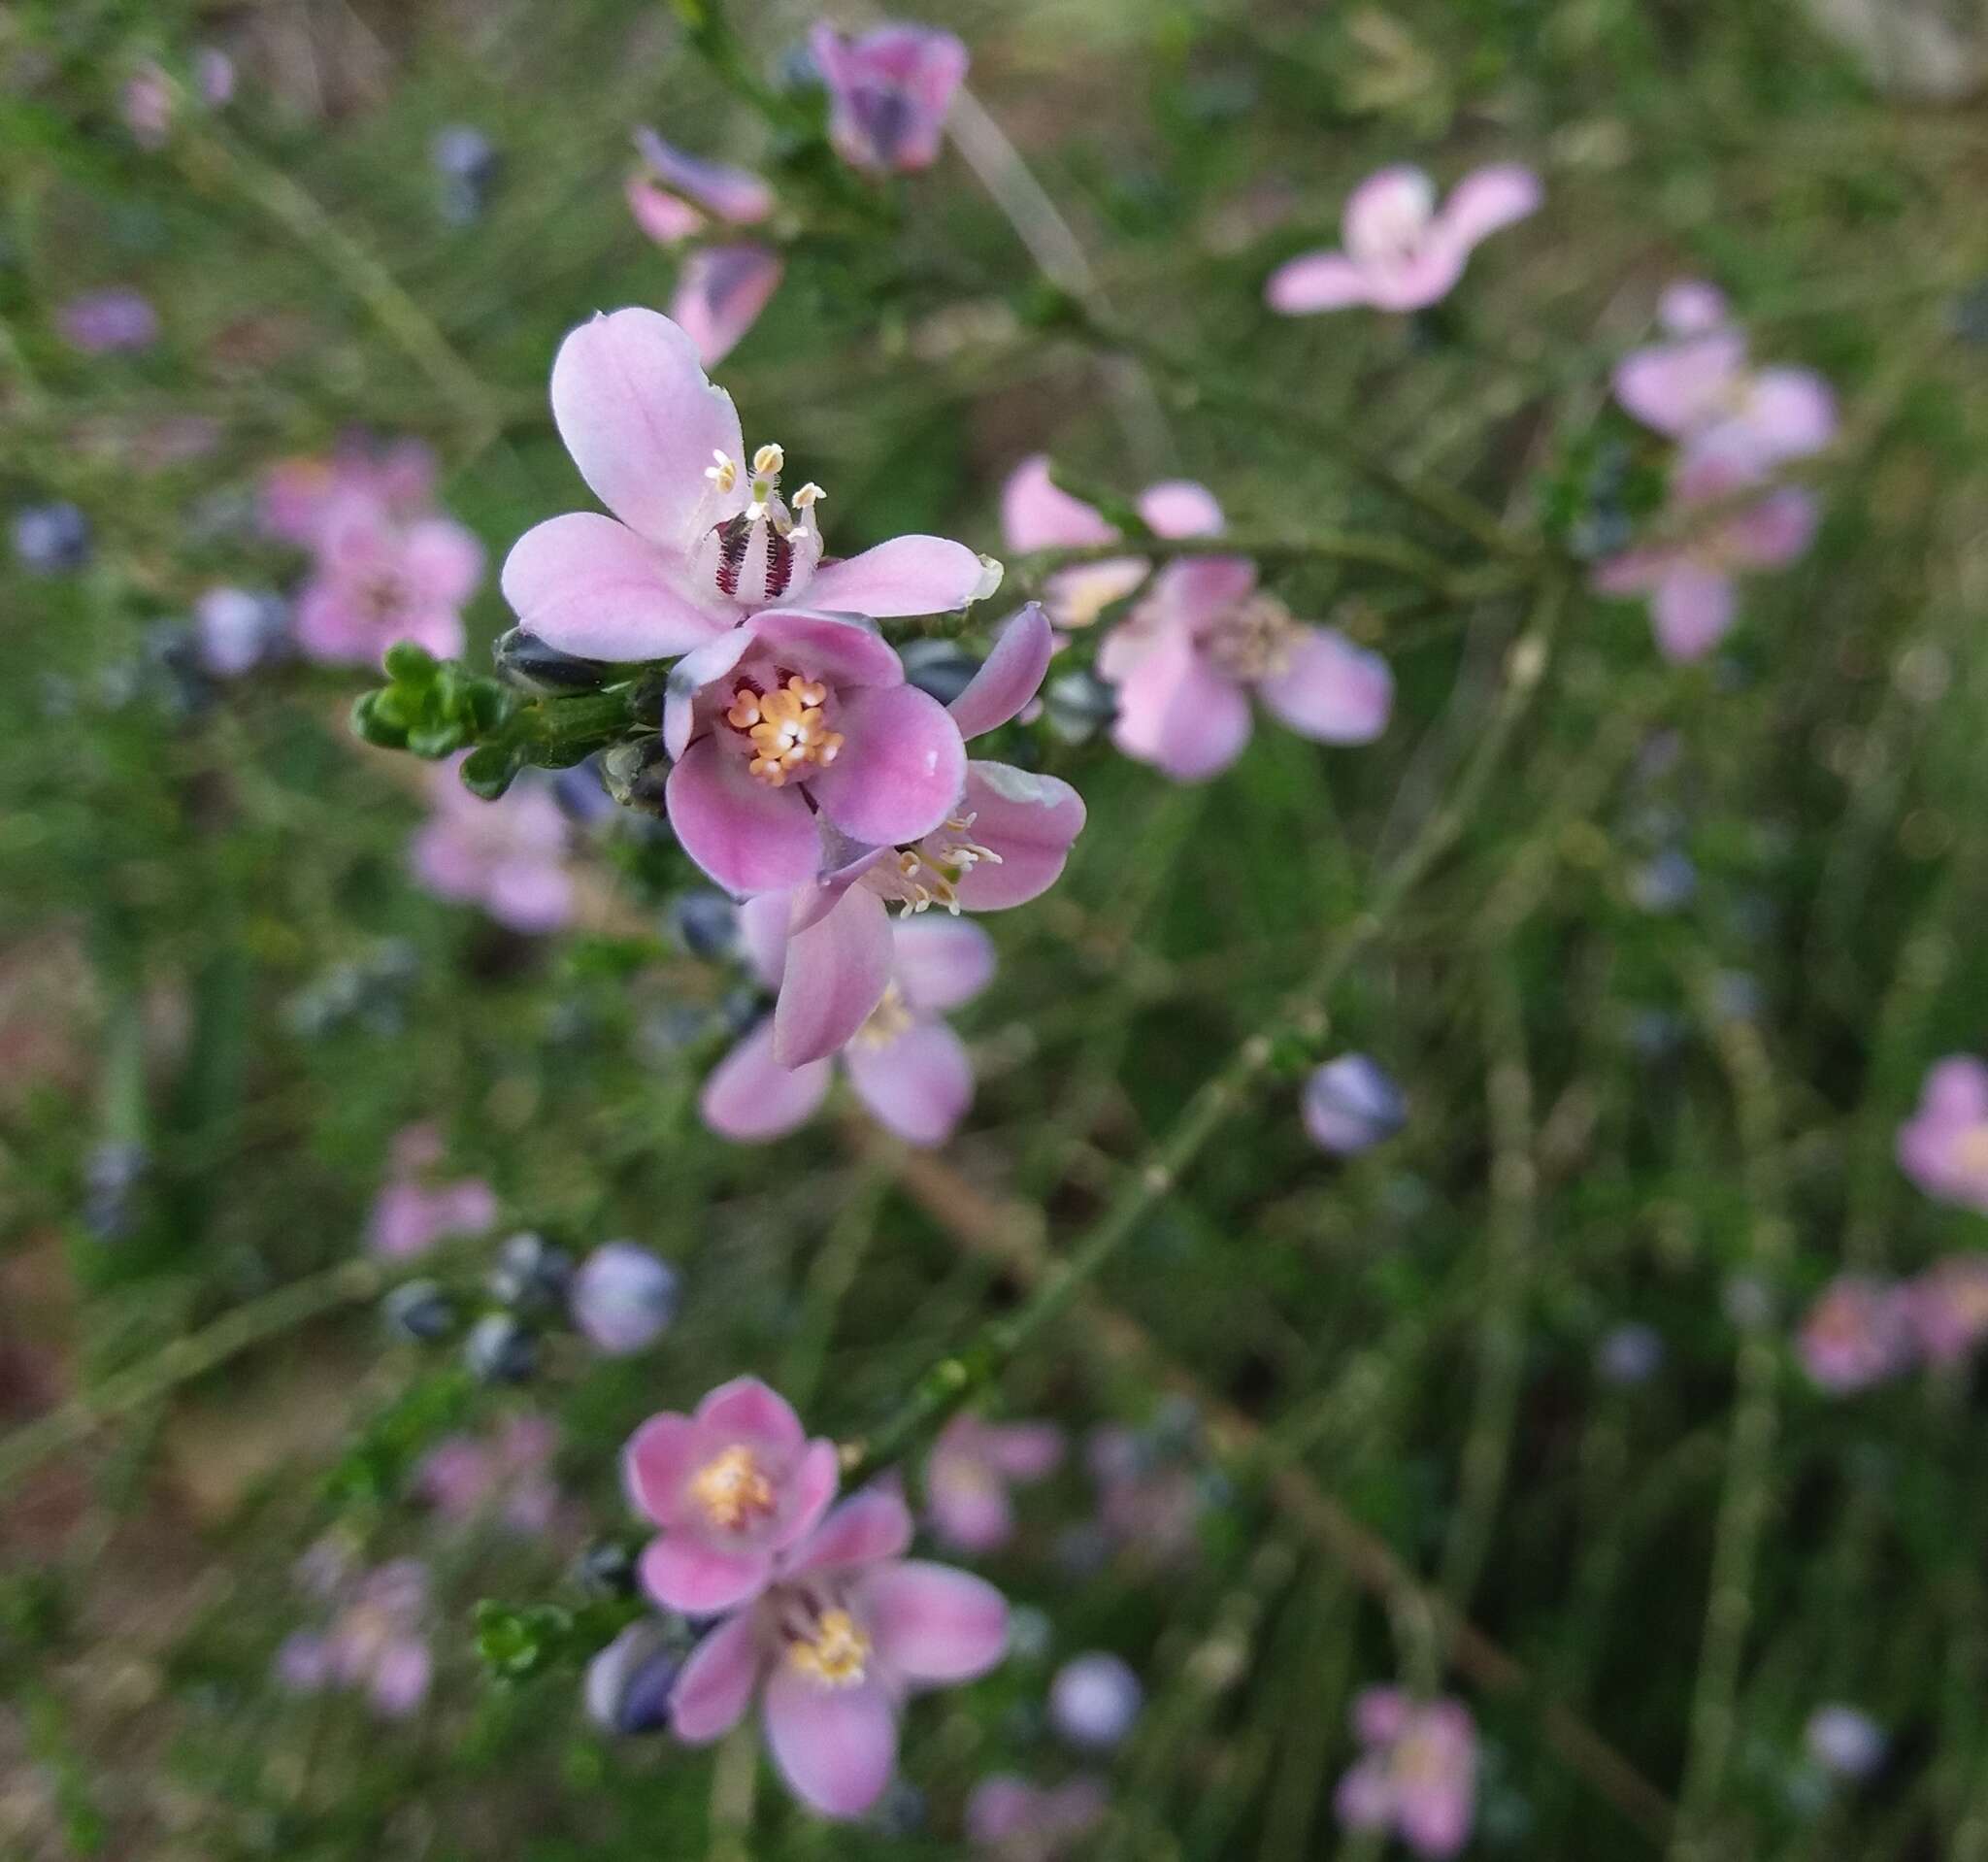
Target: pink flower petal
x,y
1011,676
642,422
1196,591
933,1624
660,1458
1488,199
900,768
1381,1716
836,1747
810,1489
763,931
1316,281
1690,306
1177,712
750,1098
727,193
1389,211
588,585
919,1086
442,560
749,838
906,576
665,218
1180,508
1691,612
716,1687
1331,691
531,896
1674,388
1365,1798
700,667
835,649
1038,514
940,962
1024,1451
401,1675
719,294
1030,821
749,1409
1633,572
970,1512
1772,533
1792,412
866,1527
683,1573
837,971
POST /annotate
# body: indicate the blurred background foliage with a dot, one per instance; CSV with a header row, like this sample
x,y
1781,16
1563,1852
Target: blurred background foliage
x,y
1627,1105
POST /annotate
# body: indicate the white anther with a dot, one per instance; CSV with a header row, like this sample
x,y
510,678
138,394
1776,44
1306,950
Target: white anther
x,y
768,460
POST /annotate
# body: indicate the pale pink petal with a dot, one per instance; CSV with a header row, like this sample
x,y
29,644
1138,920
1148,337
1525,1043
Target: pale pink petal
x,y
533,896
1434,1816
691,674
836,1747
749,837
753,1410
660,1458
810,1487
838,969
1389,213
867,1526
1690,306
401,1676
933,1624
1381,1716
586,584
750,1098
1633,572
1772,533
1691,611
1674,388
906,576
1417,279
1011,675
1792,412
969,1511
1488,199
1176,712
719,294
1180,508
641,423
1002,1807
1038,514
1956,1091
1024,1451
940,962
728,193
1075,597
763,931
1365,1799
680,1573
835,649
1316,281
442,560
1030,821
330,626
919,1086
1331,691
1197,591
900,769
716,1687
665,218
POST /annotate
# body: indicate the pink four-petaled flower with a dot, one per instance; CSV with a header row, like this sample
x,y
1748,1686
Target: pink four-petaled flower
x,y
379,578
1943,1146
1418,1775
973,1465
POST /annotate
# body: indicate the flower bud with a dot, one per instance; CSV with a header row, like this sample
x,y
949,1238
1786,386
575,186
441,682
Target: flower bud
x,y
113,1176
469,166
1351,1105
1630,1354
418,1311
531,1274
623,1297
628,1684
1844,1742
940,668
51,539
706,923
524,659
1077,704
499,1349
1094,1701
606,1568
634,774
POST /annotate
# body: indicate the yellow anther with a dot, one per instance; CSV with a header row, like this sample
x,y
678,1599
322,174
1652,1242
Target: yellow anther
x,y
767,462
809,496
732,1489
836,1654
787,727
724,474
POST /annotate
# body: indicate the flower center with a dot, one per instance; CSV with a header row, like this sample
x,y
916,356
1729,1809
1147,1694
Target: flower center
x,y
1254,640
836,1654
786,728
732,1489
929,874
765,552
891,1017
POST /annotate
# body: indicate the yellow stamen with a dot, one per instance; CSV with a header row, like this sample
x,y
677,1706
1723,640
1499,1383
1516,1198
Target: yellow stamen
x,y
732,1489
838,1654
786,728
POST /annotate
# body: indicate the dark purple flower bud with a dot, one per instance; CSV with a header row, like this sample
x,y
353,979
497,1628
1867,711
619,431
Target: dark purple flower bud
x,y
51,539
1350,1106
500,1350
1077,704
1631,1353
606,1568
418,1311
628,1684
940,668
706,923
469,165
582,795
623,1297
523,660
1094,1701
1844,1742
531,1274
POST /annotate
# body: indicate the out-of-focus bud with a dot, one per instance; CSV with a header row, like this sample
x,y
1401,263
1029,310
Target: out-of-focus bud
x,y
1844,1742
940,668
1351,1105
1077,704
238,629
623,1297
628,1684
1094,1701
51,539
1630,1354
469,166
706,923
418,1311
524,659
531,1275
499,1349
606,1568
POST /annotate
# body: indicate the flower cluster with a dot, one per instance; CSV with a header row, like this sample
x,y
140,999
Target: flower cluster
x,y
508,857
1418,1773
375,1636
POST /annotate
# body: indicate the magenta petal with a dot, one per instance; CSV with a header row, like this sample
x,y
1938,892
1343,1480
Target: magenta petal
x,y
1381,1716
1180,508
632,402
940,962
835,649
867,1526
750,1098
660,1458
719,294
1331,691
906,575
681,1573
1316,281
401,1675
1956,1091
1487,199
1030,821
836,972
1011,675
716,1687
753,1412
1434,1817
749,838
1036,514
665,218
836,1747
1633,572
1176,712
919,1086
1691,612
588,585
1196,591
900,769
933,1624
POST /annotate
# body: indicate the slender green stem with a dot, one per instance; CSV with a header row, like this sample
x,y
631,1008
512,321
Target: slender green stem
x,y
1370,550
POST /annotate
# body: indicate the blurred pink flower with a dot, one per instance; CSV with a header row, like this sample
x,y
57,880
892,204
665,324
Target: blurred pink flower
x,y
1943,1146
299,494
1857,1333
906,1066
888,93
507,1477
674,193
145,104
376,1637
508,857
720,293
1948,1308
1690,306
1150,1501
378,580
412,1213
1418,1775
700,540
730,1487
1016,1822
104,323
846,1629
971,1466
1401,252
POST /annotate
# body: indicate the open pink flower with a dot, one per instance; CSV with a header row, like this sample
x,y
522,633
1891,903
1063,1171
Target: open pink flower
x,y
507,1477
720,293
730,1486
1418,1775
1401,252
376,1638
508,857
1016,1822
906,1066
1001,840
847,1627
413,1212
1859,1332
889,93
700,540
1943,1146
298,495
378,580
1691,582
674,194
1947,1306
972,1467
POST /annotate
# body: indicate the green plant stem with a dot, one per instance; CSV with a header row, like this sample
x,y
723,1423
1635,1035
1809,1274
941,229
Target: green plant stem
x,y
1365,549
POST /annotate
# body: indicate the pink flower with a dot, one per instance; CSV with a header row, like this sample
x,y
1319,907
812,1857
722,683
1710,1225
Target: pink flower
x,y
698,541
1001,840
1402,252
508,1477
1690,582
299,494
378,580
906,1066
1947,1306
376,1639
412,1214
147,105
1943,1146
1016,1822
888,93
103,322
720,293
508,857
972,1467
730,1486
1418,1775
1858,1332
677,192
1148,1498
846,1629
1690,306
